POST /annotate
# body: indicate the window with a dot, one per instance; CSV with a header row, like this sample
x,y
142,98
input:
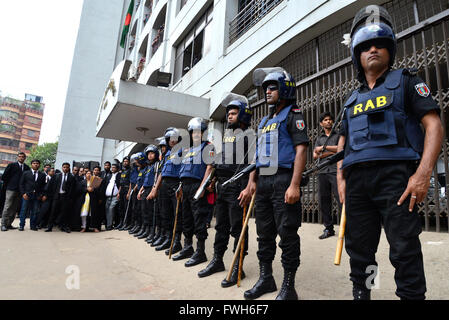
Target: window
x,y
7,156
7,128
31,133
28,146
9,143
32,120
8,115
194,46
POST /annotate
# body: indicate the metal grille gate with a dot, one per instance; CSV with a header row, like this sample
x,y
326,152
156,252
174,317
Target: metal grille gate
x,y
327,76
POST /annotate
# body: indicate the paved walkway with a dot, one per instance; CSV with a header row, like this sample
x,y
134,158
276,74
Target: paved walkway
x,y
115,265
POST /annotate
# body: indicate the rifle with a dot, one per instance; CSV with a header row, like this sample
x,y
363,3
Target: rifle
x,y
200,190
330,160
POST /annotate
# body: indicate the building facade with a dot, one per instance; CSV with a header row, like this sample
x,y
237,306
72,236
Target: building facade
x,y
96,54
182,56
20,126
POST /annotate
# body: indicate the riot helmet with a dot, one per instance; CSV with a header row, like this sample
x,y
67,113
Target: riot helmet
x,y
371,24
161,142
152,148
284,81
133,157
235,101
197,124
141,158
172,133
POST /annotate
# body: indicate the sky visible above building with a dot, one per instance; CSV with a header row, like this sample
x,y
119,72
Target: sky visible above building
x,y
38,42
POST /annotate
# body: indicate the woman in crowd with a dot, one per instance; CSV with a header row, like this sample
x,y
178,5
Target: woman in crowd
x,y
91,187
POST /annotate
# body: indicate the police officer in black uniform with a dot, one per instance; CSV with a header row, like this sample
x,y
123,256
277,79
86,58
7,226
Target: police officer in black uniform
x,y
147,206
125,180
156,230
196,165
167,184
131,197
141,162
380,182
234,156
280,161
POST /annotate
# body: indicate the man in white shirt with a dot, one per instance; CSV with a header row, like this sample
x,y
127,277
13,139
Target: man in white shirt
x,y
112,183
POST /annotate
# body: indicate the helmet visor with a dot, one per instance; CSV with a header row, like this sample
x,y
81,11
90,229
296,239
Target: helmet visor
x,y
233,98
373,32
260,74
196,124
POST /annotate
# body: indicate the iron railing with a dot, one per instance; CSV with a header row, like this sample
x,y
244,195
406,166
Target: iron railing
x,y
249,16
324,80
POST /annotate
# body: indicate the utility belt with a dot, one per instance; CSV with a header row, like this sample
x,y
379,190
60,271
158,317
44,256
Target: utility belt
x,y
370,164
220,173
190,180
170,179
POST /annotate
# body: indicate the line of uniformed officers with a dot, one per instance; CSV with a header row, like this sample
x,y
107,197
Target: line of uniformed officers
x,y
385,173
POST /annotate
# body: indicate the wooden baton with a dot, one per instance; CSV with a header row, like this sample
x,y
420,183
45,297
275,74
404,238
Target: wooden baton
x,y
242,236
174,228
242,248
341,236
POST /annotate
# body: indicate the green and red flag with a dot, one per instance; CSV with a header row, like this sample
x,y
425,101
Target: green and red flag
x,y
127,23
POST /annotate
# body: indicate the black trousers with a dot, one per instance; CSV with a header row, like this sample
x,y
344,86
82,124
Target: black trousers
x,y
275,217
194,213
45,212
122,205
136,217
372,194
60,211
147,208
327,186
168,202
157,212
229,217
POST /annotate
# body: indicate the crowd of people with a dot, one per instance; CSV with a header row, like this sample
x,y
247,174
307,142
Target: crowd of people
x,y
168,191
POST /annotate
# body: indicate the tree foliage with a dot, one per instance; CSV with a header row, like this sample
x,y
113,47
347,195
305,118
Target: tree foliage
x,y
46,153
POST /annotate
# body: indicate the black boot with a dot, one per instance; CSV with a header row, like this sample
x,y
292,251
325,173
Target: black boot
x,y
157,242
177,246
198,257
150,237
140,232
145,234
186,252
361,294
119,226
265,284
214,266
288,291
166,244
234,276
128,226
135,229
